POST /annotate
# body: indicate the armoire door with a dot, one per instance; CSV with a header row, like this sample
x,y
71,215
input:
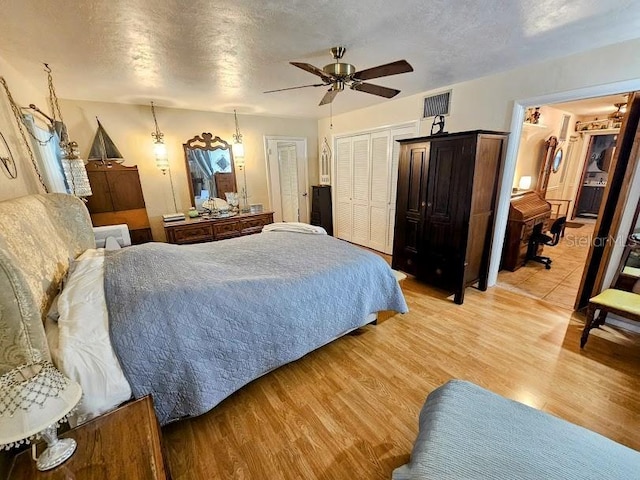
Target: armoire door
x,y
446,196
410,206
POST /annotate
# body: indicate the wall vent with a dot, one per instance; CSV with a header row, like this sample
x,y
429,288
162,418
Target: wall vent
x,y
565,128
437,104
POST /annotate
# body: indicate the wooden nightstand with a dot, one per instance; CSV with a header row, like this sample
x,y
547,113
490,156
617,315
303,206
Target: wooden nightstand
x,y
123,444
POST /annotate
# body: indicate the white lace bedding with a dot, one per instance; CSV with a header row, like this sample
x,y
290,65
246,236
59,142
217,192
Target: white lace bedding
x,y
79,341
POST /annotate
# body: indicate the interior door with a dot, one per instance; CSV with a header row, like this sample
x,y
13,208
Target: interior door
x,y
379,191
344,211
288,183
360,191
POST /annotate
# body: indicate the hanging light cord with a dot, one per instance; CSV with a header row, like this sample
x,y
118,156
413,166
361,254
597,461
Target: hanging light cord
x,y
237,136
158,135
20,121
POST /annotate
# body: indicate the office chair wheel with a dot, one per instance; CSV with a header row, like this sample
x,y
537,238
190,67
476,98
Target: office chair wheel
x,y
547,266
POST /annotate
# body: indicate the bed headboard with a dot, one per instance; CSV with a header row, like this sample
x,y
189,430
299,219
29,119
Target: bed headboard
x,y
39,235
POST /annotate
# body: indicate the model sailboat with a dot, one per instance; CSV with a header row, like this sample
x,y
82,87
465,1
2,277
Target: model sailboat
x,y
103,148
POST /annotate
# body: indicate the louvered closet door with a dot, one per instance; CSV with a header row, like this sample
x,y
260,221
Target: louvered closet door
x,y
344,213
379,191
361,189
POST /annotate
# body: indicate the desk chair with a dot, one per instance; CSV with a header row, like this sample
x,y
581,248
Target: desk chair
x,y
540,238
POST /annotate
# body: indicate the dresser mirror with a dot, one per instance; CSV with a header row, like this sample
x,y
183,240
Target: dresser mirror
x,y
210,169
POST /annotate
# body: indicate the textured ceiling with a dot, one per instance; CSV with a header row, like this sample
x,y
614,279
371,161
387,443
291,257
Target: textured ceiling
x,y
222,55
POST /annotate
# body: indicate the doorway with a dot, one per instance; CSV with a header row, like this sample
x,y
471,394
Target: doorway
x,y
288,183
617,197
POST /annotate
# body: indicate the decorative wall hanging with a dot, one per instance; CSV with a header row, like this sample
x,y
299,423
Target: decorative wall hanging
x,y
325,163
6,159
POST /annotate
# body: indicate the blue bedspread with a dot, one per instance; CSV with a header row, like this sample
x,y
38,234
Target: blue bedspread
x,y
192,324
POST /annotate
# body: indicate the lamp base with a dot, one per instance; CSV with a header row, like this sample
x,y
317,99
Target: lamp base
x,y
56,454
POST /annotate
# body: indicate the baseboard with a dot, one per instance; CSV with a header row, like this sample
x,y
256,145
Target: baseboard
x,y
623,323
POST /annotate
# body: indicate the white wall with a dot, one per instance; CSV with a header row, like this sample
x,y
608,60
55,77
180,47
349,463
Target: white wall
x,y
130,127
23,93
531,150
487,103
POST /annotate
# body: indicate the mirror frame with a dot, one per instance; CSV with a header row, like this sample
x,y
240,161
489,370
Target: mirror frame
x,y
556,163
208,142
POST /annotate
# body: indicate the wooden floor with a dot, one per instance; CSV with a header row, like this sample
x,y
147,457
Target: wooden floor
x,y
350,409
560,284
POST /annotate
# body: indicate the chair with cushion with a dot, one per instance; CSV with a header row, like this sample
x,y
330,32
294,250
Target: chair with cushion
x,y
619,302
540,238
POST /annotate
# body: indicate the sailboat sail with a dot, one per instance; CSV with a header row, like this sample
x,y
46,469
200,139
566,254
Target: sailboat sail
x,y
103,147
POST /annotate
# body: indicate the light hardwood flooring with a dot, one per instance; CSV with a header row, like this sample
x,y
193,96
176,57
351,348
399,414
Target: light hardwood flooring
x,y
560,284
350,409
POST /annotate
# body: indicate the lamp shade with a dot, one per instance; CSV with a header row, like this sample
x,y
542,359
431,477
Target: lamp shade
x,y
32,398
524,183
238,150
162,159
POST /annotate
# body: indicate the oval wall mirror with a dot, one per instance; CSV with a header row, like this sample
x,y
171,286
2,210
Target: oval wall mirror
x,y
557,161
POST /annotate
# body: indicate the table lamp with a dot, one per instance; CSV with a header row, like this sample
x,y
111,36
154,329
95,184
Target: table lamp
x,y
34,399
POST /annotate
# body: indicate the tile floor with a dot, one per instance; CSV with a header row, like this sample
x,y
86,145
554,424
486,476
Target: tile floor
x,y
559,285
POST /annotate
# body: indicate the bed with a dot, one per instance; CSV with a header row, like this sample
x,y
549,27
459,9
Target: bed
x,y
188,324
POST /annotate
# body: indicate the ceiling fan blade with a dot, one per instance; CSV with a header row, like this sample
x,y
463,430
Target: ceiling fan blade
x,y
307,67
375,89
293,88
328,97
393,68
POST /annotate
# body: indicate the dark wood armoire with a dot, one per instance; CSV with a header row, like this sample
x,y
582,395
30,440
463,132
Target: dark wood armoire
x,y
447,191
117,198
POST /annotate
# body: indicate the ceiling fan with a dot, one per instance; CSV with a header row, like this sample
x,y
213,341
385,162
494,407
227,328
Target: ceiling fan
x,y
337,75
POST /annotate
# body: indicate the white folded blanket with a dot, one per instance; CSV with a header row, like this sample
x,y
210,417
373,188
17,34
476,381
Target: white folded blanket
x,y
294,227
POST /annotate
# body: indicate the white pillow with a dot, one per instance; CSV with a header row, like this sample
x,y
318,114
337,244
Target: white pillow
x,y
84,352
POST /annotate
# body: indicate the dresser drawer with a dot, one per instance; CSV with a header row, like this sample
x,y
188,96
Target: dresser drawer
x,y
193,234
254,225
228,229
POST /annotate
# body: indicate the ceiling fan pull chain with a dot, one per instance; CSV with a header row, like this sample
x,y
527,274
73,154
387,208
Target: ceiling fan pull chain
x,y
331,116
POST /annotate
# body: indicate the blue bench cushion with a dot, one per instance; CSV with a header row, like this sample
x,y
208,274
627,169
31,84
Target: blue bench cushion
x,y
467,432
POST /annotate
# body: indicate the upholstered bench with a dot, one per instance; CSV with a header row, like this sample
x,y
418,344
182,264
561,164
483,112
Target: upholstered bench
x,y
625,304
467,432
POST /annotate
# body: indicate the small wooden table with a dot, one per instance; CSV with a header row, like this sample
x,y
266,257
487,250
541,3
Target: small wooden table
x,y
124,444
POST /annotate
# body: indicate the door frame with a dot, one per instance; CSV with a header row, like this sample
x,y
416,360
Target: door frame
x,y
270,191
508,172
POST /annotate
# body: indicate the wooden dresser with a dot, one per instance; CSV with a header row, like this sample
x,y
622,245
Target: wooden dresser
x,y
528,212
123,444
201,229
